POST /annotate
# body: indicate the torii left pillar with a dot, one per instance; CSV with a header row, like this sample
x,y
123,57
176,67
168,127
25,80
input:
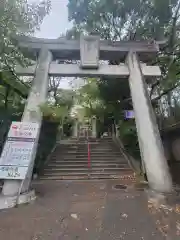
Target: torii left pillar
x,y
32,113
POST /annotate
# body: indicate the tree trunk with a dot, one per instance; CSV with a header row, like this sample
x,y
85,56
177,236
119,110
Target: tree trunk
x,y
169,102
6,98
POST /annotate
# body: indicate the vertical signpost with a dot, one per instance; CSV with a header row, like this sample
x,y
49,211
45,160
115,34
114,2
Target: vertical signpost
x,y
18,150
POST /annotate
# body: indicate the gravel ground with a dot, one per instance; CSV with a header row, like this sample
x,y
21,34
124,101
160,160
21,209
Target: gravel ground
x,y
84,211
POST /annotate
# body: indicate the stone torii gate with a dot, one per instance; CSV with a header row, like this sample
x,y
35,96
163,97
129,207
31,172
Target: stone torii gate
x,y
89,50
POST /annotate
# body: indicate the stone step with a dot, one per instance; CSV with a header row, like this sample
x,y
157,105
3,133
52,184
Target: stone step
x,y
85,156
82,177
92,153
97,152
84,164
76,173
85,153
93,169
70,161
95,146
94,162
84,148
93,156
89,177
85,159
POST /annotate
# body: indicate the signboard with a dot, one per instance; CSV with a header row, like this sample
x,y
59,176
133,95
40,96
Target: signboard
x,y
89,52
23,130
18,150
129,114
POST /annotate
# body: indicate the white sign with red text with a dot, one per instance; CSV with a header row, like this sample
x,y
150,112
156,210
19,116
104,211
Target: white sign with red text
x,y
18,150
23,130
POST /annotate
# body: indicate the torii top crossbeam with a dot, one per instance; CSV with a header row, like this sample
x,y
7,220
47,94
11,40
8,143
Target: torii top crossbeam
x,y
70,49
89,50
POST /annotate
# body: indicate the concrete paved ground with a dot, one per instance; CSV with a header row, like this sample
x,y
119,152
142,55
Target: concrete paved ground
x,y
84,211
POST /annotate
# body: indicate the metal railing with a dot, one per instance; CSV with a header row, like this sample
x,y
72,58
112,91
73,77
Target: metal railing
x,y
130,159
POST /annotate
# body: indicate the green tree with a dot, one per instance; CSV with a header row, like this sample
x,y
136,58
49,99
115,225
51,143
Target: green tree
x,y
88,96
123,19
18,18
60,96
133,20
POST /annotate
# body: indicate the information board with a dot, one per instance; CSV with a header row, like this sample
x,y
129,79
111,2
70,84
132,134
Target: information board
x,y
23,130
18,150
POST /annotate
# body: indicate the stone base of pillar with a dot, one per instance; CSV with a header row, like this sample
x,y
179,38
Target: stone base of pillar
x,y
12,201
160,198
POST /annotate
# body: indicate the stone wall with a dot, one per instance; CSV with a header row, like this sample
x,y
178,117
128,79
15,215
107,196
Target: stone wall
x,y
171,141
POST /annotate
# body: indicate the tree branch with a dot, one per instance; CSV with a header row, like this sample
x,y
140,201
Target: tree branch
x,y
153,87
159,97
165,92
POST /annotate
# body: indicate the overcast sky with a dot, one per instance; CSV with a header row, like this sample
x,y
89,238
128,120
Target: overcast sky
x,y
56,22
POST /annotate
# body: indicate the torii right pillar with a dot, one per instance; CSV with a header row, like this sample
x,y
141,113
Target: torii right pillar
x,y
150,143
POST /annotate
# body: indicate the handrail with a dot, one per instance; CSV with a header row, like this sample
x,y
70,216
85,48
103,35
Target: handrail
x,y
124,152
88,152
118,142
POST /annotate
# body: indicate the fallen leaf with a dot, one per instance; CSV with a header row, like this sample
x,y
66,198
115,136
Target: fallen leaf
x,y
74,216
177,209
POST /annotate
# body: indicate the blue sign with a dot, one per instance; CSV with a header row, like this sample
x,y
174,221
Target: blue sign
x,y
129,114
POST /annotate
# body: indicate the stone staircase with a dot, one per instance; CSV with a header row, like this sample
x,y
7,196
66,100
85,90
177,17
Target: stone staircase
x,y
69,161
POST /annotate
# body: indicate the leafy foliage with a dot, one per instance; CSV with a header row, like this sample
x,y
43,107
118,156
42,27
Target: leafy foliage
x,y
88,97
122,19
60,96
18,17
134,20
54,113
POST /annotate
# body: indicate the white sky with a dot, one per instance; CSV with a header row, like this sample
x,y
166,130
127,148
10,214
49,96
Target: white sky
x,y
56,22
